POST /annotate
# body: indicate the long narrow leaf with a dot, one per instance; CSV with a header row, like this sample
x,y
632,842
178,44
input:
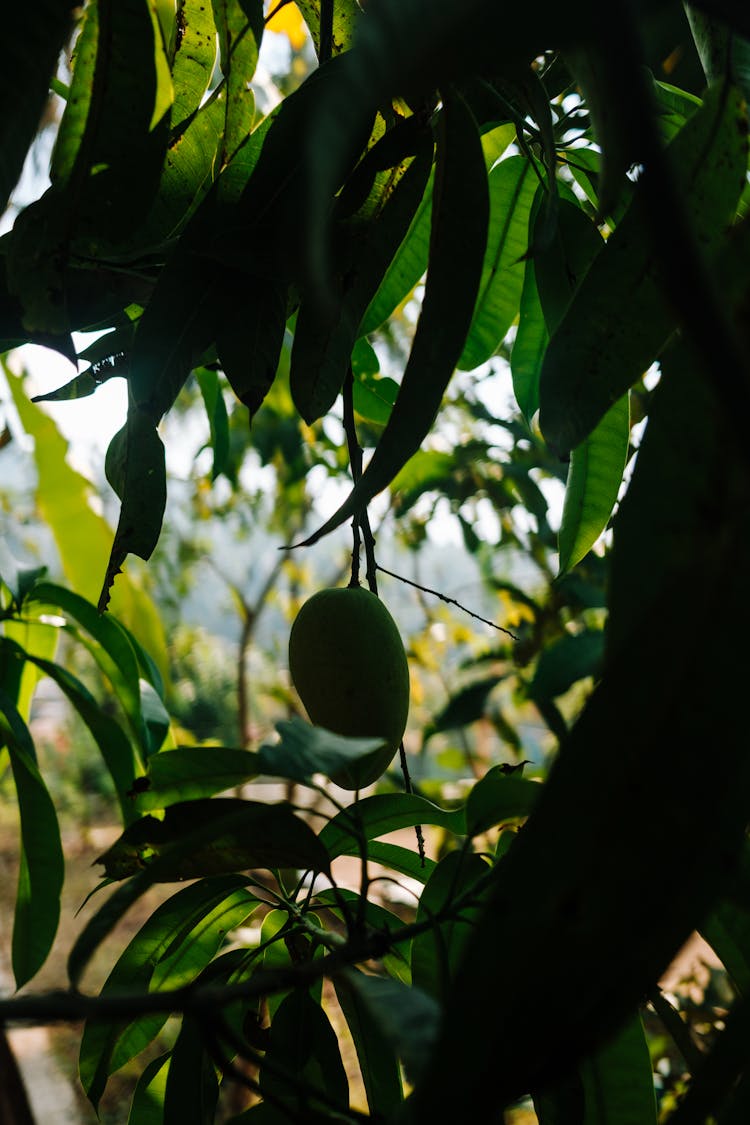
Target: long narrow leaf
x,y
42,866
457,243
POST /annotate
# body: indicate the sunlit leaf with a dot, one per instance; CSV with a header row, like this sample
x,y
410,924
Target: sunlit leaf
x,y
375,816
41,869
594,480
190,772
513,185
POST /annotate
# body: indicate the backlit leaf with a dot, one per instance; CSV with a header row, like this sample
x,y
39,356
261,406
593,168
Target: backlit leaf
x,y
619,318
594,479
512,185
457,241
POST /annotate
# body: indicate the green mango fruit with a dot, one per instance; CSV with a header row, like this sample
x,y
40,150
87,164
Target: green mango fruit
x,y
348,664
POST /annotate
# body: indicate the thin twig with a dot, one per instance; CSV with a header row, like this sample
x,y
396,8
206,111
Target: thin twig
x,y
449,601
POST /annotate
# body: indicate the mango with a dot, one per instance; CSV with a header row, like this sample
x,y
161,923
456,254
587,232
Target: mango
x,y
348,664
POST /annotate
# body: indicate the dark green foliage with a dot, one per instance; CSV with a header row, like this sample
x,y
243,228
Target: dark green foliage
x,y
570,204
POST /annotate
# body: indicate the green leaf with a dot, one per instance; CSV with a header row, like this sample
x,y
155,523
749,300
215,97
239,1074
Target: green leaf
x,y
566,661
302,1055
618,1081
323,341
42,867
498,798
249,339
194,59
378,1062
374,397
304,750
529,346
435,953
111,740
192,164
147,1106
190,772
407,1017
82,537
175,943
400,859
375,816
457,243
620,318
346,14
192,1082
143,490
113,649
72,126
465,707
594,479
406,268
33,36
218,419
512,186
196,838
206,837
240,27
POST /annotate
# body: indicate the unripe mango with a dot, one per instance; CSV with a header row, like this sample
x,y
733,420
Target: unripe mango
x,y
348,664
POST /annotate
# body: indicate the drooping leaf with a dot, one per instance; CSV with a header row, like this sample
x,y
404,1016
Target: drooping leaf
x,y
408,1017
435,953
41,869
323,343
147,1106
512,186
249,339
615,1084
109,736
346,14
218,420
33,36
193,60
192,1083
302,1056
378,1061
375,816
457,242
240,27
82,536
529,345
406,267
187,927
594,480
143,491
620,317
